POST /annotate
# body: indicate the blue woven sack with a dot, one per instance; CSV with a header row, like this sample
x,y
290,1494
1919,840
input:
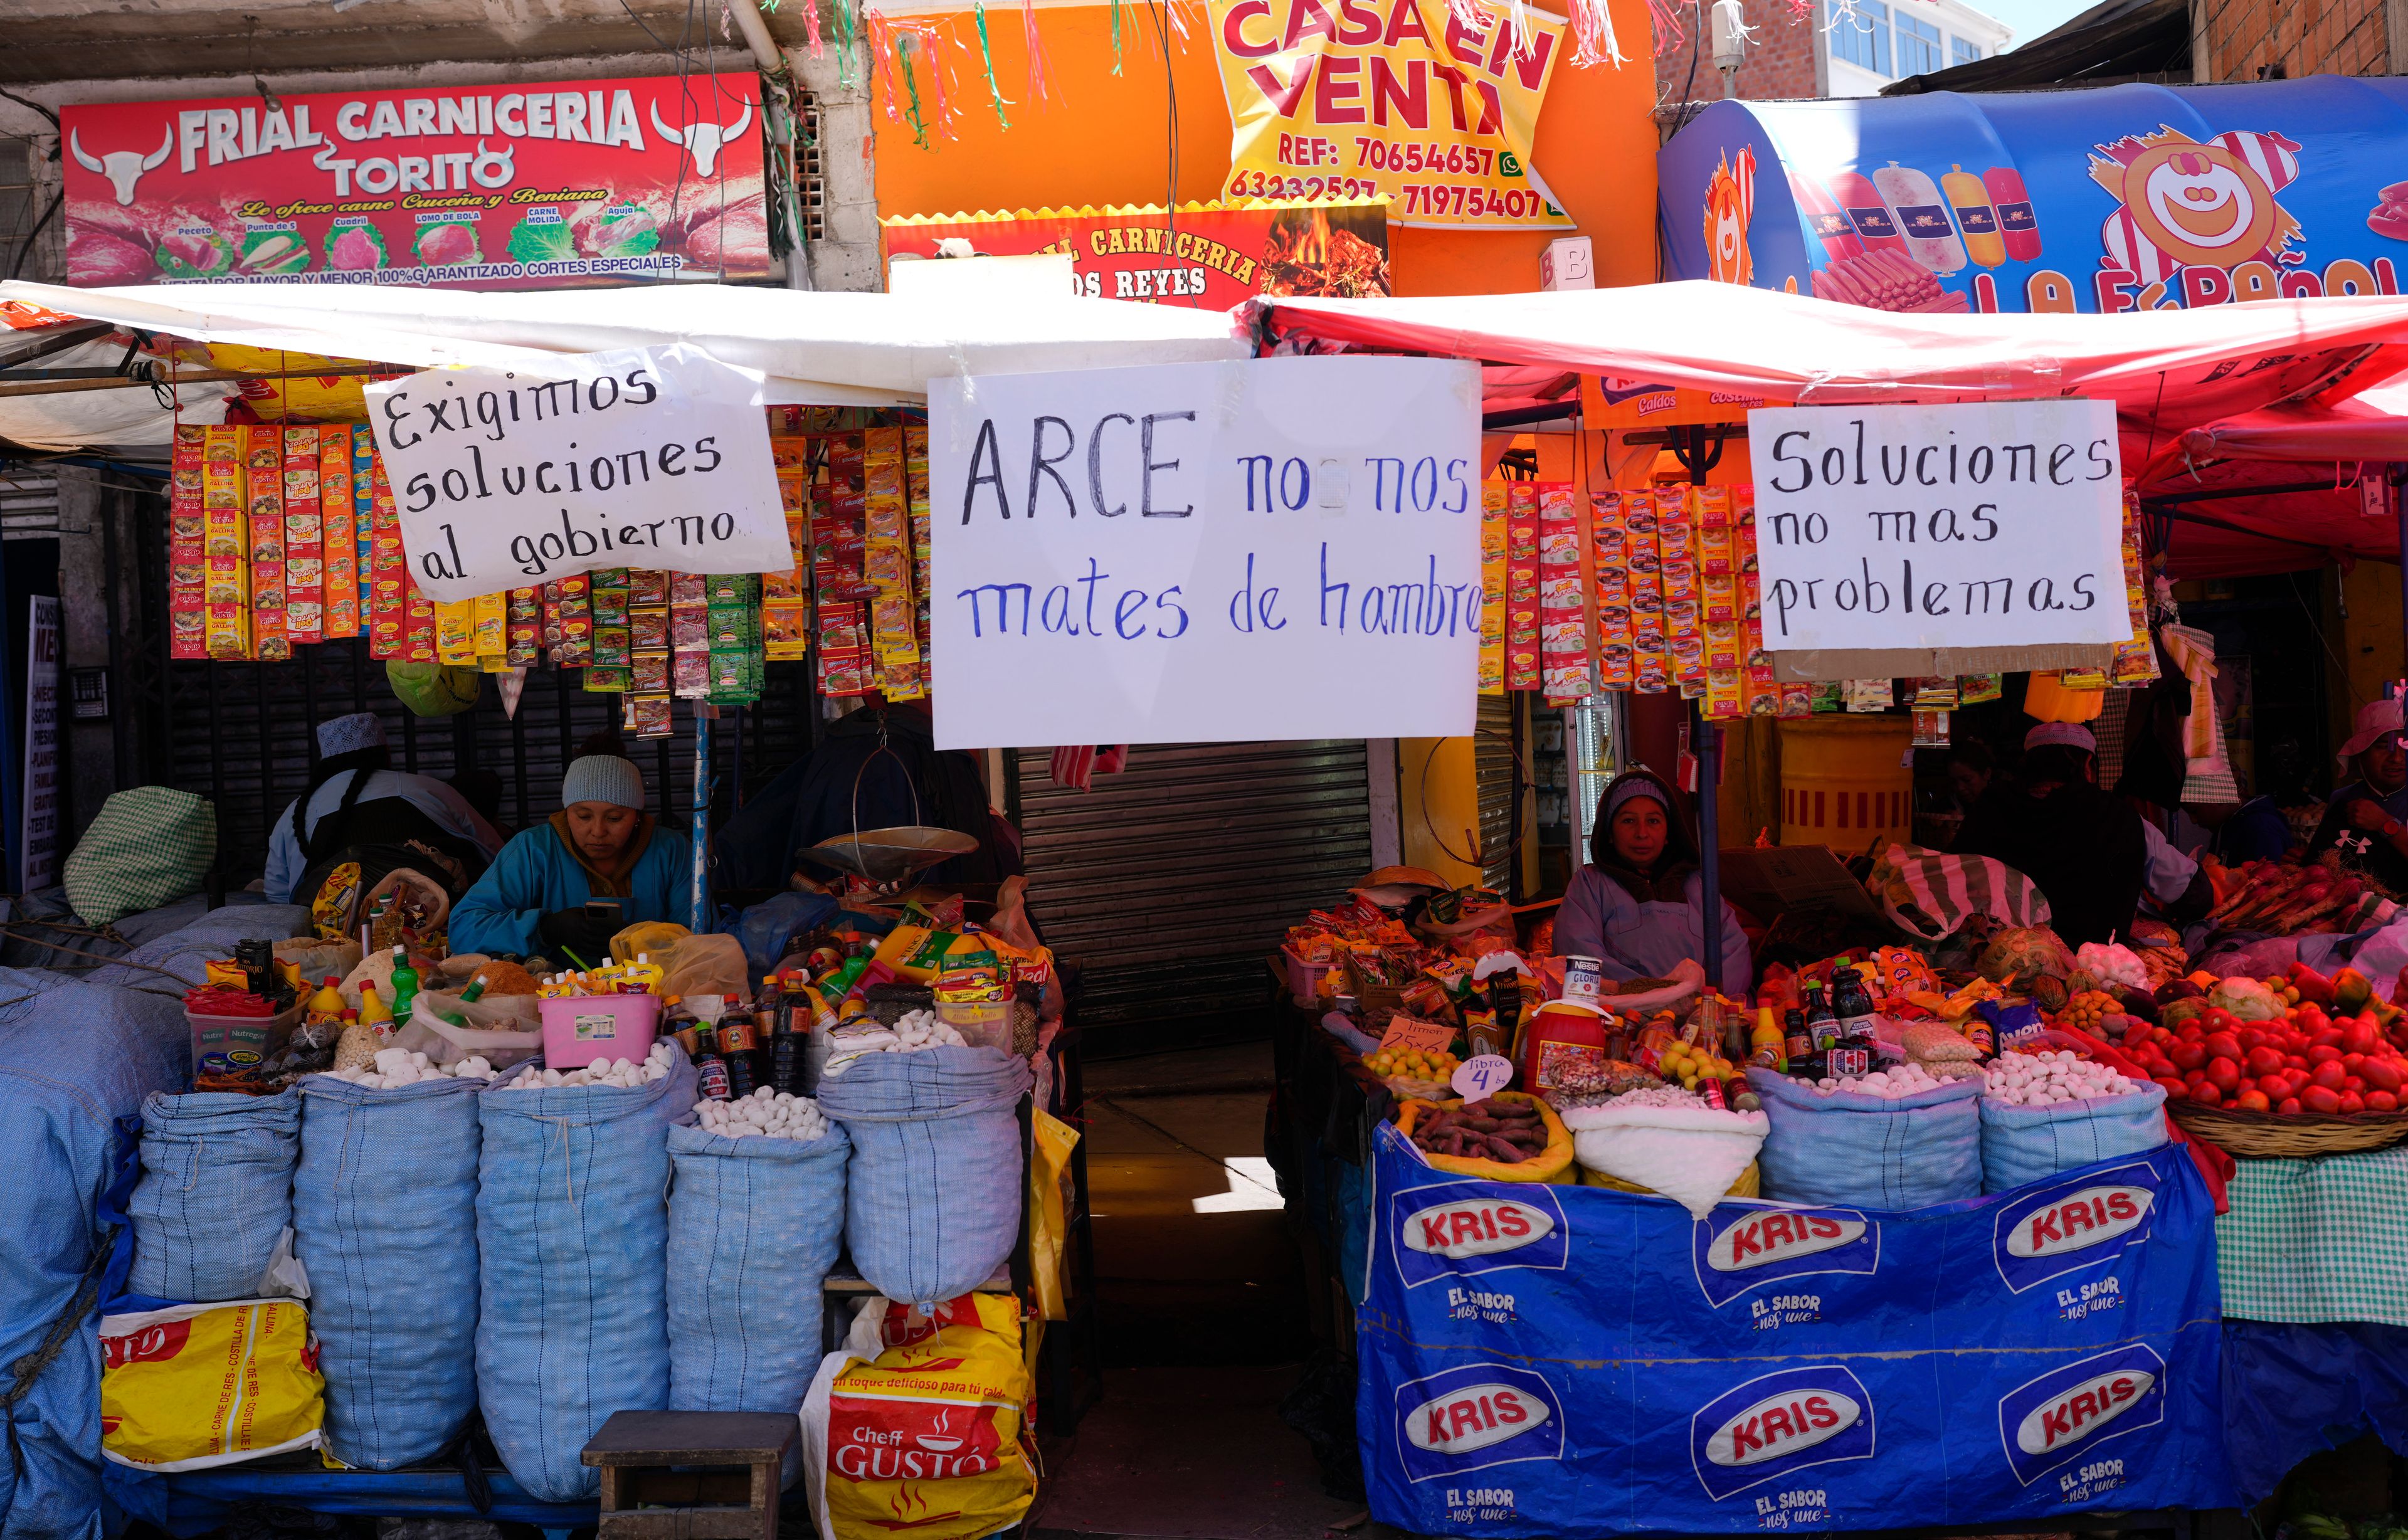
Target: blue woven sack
x,y
1846,1151
572,1245
754,1225
216,1193
2031,1144
932,1200
384,1218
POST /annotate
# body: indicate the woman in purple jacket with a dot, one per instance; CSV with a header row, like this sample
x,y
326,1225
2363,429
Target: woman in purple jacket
x,y
1639,907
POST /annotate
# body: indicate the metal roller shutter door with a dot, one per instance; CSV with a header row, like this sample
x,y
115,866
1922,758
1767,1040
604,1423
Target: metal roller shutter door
x,y
1170,882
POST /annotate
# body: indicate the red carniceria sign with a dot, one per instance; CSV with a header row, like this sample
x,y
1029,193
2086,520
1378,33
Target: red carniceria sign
x,y
535,186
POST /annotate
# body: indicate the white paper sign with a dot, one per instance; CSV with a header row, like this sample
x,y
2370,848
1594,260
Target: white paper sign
x,y
1277,548
1990,524
648,457
1481,1074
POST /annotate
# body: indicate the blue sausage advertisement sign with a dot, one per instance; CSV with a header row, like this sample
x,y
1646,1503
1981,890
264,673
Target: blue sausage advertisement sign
x,y
2131,197
1551,1360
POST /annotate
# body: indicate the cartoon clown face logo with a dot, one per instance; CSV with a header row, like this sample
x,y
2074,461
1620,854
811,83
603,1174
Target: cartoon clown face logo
x,y
1731,205
2199,205
2193,204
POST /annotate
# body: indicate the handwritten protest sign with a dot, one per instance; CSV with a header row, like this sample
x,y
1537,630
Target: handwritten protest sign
x,y
1277,548
1989,524
648,457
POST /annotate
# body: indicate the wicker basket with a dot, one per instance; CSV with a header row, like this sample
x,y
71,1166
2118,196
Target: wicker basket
x,y
2270,1136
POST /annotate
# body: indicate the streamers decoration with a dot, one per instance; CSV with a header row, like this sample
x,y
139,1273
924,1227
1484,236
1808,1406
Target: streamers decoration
x,y
1116,36
848,41
1040,68
911,113
882,54
986,54
1593,39
811,25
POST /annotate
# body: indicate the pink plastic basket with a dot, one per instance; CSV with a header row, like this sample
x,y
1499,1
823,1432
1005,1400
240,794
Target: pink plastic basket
x,y
578,1029
1303,978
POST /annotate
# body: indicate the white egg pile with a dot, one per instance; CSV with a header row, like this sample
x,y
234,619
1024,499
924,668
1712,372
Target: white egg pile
x,y
2045,1079
1896,1081
765,1113
625,1073
394,1068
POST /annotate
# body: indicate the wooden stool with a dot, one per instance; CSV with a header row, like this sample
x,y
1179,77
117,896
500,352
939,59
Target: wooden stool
x,y
634,1450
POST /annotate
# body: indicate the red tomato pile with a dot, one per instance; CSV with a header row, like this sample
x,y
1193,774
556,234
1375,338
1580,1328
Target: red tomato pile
x,y
2307,1062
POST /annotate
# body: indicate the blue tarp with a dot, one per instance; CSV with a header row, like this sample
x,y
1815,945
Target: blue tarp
x,y
1570,1361
2130,197
2292,1391
75,1056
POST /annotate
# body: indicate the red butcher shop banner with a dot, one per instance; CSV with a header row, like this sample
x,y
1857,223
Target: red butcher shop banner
x,y
496,187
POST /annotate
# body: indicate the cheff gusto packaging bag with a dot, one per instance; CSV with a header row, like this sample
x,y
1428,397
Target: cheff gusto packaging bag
x,y
200,1385
919,1424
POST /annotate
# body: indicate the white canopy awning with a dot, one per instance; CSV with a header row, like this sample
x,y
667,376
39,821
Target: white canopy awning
x,y
822,350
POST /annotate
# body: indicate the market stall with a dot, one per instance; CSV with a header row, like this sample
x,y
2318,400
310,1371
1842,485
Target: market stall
x,y
842,1098
1958,970
1490,1110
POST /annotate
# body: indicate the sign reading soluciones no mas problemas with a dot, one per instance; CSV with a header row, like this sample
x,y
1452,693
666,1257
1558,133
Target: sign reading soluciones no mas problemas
x,y
1279,548
648,457
1989,524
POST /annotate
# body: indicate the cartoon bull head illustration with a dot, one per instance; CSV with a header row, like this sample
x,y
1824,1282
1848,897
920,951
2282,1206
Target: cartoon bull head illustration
x,y
122,168
703,141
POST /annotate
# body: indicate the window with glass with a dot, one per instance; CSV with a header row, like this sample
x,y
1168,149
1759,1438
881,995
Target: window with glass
x,y
1860,35
1919,46
1963,51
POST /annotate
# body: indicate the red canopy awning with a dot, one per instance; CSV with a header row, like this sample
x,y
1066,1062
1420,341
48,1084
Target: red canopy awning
x,y
2216,399
2315,462
2166,369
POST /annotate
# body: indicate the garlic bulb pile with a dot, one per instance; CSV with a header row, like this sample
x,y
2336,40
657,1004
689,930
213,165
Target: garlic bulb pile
x,y
766,1113
2045,1079
1896,1081
393,1068
623,1073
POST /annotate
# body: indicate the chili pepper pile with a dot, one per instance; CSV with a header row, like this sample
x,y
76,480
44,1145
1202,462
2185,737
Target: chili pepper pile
x,y
224,1000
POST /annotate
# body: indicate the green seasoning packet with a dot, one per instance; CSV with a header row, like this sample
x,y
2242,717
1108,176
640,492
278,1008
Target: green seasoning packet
x,y
931,952
611,679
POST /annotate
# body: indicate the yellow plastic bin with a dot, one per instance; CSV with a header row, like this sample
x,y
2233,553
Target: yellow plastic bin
x,y
1847,781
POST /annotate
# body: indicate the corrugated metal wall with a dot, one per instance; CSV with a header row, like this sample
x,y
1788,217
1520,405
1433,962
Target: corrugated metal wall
x,y
1171,881
1493,776
244,736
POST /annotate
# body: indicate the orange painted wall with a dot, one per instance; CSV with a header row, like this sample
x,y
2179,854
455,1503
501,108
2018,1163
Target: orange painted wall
x,y
1104,140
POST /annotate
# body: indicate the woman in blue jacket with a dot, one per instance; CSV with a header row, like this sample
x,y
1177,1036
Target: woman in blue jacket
x,y
1639,907
601,845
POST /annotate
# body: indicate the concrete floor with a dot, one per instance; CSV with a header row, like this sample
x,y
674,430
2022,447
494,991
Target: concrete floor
x,y
1202,1305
